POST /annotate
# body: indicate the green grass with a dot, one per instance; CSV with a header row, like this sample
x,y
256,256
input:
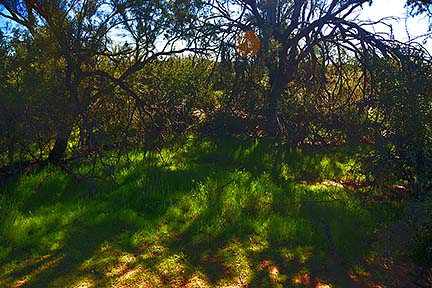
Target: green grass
x,y
203,213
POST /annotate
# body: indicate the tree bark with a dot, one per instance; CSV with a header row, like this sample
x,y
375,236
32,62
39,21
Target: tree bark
x,y
73,79
278,83
273,129
57,153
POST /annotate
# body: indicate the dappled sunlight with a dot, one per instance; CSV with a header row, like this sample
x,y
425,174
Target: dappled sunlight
x,y
302,254
173,269
273,270
209,221
107,262
138,277
302,278
330,183
85,284
123,265
30,270
197,281
321,285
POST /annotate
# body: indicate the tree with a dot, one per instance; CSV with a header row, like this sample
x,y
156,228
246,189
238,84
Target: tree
x,y
420,6
296,37
80,33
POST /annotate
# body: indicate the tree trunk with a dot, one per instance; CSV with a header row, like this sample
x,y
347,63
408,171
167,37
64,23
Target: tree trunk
x,y
58,152
272,126
73,80
278,84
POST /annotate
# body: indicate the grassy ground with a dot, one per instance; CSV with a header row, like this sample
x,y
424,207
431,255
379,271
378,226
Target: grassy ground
x,y
203,214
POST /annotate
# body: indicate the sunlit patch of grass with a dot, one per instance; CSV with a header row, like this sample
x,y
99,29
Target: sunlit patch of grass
x,y
237,260
197,280
139,277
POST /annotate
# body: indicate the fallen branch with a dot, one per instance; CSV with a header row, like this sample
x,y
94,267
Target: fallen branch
x,y
223,186
314,201
332,247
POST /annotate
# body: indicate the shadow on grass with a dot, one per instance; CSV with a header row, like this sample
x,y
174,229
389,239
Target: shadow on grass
x,y
230,212
275,243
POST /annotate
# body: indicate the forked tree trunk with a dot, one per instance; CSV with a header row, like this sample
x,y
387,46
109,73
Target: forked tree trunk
x,y
73,80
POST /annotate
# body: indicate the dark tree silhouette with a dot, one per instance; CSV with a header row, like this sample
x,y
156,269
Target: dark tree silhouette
x,y
80,33
295,34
